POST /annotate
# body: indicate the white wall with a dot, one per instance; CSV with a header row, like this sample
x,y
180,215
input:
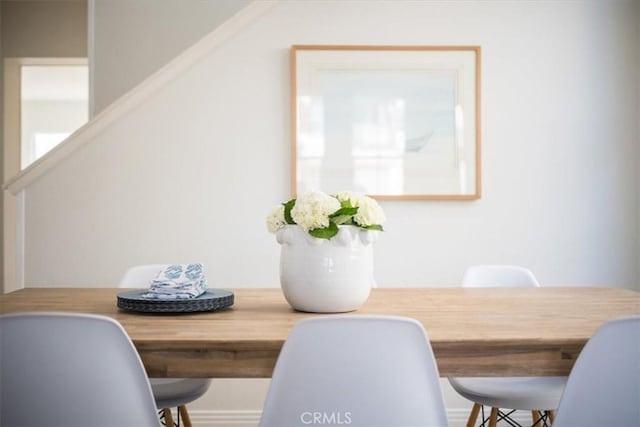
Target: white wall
x,y
638,144
133,38
211,151
191,174
2,156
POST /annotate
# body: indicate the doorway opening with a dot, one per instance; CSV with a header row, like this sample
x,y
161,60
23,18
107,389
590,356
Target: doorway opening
x,y
54,103
45,100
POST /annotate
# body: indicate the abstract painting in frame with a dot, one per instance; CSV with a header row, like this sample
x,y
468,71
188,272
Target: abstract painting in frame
x,y
394,122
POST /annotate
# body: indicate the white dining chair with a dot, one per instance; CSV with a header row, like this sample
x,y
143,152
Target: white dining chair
x,y
604,385
72,370
361,371
539,395
168,392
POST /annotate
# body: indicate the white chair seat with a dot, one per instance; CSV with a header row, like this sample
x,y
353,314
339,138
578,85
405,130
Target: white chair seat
x,y
174,392
523,393
534,394
361,371
604,384
168,392
71,369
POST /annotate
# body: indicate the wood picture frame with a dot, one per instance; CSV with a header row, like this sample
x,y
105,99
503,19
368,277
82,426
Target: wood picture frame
x,y
393,122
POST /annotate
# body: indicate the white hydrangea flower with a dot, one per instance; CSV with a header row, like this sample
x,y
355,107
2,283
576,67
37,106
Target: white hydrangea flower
x,y
275,219
369,212
312,210
350,196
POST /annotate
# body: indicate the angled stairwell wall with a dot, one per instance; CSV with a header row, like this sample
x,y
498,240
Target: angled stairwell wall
x,y
132,39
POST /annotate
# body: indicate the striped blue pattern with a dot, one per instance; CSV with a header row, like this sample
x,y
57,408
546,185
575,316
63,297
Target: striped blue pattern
x,y
178,282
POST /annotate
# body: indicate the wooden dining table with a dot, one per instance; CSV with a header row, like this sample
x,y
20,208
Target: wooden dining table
x,y
473,332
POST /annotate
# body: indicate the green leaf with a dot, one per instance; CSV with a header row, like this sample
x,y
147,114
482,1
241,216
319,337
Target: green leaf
x,y
325,233
342,219
344,211
376,227
287,211
346,204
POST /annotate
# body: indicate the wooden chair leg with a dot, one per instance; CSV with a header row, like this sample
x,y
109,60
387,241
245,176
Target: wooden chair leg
x,y
535,417
473,416
552,416
168,418
184,415
493,418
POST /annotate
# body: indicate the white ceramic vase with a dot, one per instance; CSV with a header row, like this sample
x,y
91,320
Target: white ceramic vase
x,y
326,276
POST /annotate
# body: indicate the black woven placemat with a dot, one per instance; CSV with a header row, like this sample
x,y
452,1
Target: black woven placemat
x,y
212,299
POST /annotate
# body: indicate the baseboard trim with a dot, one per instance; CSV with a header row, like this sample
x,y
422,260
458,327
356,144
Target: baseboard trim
x,y
244,418
250,418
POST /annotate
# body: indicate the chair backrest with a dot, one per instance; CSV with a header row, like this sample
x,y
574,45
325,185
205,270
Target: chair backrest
x,y
604,385
361,371
64,369
502,276
140,276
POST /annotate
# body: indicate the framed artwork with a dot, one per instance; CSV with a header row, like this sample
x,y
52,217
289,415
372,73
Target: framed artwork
x,y
393,122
